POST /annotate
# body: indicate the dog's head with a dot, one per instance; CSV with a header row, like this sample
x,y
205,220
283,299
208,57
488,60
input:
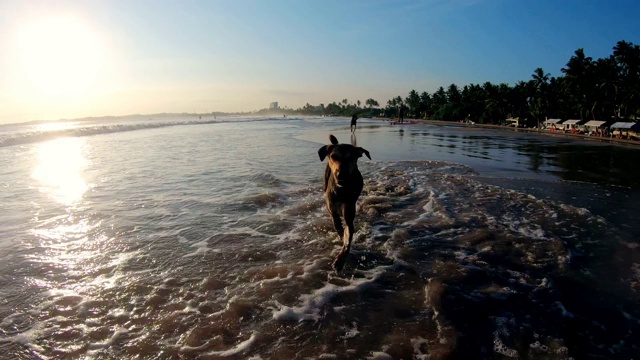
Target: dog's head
x,y
342,159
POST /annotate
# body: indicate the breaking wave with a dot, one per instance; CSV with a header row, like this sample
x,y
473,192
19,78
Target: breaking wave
x,y
30,133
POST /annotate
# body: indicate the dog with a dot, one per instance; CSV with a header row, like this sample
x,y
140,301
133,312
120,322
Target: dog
x,y
342,186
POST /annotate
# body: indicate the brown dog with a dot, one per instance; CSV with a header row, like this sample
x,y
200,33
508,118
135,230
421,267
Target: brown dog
x,y
342,186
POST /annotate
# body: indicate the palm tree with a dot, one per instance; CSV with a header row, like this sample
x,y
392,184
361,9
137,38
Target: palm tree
x,y
558,104
607,84
540,78
453,94
439,98
627,57
392,106
413,101
440,104
425,104
371,103
454,98
538,103
577,73
520,99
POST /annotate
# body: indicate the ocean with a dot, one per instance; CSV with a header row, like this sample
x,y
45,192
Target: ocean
x,y
178,237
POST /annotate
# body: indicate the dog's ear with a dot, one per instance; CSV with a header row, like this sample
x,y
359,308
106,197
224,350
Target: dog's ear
x,y
363,151
324,151
333,139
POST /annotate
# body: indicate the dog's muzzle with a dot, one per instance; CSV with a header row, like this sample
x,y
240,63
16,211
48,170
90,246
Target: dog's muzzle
x,y
340,180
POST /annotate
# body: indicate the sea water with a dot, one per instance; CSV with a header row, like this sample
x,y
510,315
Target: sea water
x,y
186,237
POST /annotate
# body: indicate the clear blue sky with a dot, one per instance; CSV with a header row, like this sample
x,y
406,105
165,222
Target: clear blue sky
x,y
91,58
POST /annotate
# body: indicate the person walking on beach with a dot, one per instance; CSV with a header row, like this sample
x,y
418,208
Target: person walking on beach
x,y
401,113
354,118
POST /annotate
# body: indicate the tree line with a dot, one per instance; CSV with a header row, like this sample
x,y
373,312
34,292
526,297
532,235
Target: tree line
x,y
603,89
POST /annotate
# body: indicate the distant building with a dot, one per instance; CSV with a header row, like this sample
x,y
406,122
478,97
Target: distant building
x,y
273,106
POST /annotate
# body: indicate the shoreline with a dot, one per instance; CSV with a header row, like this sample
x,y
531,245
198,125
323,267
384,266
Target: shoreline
x,y
610,140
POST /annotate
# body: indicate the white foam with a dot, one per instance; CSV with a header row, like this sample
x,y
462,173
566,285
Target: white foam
x,y
393,251
460,255
502,331
311,304
501,348
187,349
351,332
524,227
278,278
27,338
94,348
327,356
379,355
313,267
118,313
418,344
201,248
432,209
429,207
245,345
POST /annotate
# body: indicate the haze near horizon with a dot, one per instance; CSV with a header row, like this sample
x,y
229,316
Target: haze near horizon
x,y
73,59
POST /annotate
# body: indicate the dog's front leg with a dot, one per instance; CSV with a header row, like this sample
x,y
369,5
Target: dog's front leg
x,y
349,212
334,211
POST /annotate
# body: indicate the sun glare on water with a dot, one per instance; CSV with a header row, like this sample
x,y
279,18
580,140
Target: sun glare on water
x,y
59,169
59,57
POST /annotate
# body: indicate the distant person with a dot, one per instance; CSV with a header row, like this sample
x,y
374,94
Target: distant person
x,y
354,119
401,114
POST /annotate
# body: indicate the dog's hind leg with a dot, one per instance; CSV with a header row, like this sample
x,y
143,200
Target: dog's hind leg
x,y
349,211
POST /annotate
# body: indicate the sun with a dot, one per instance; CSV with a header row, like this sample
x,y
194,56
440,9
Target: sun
x,y
59,56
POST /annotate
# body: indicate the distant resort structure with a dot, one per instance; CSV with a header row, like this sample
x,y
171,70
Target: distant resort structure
x,y
618,129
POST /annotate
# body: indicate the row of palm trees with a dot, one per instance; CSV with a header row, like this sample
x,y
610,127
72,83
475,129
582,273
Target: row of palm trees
x,y
606,88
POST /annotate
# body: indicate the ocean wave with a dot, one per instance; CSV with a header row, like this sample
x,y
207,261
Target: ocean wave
x,y
30,133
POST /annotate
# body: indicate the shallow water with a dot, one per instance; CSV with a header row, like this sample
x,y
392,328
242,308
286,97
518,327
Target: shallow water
x,y
177,239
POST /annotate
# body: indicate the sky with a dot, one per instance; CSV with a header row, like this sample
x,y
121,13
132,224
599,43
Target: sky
x,y
70,59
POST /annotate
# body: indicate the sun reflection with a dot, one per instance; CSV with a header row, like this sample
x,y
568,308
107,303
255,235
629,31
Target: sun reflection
x,y
56,126
59,169
66,245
